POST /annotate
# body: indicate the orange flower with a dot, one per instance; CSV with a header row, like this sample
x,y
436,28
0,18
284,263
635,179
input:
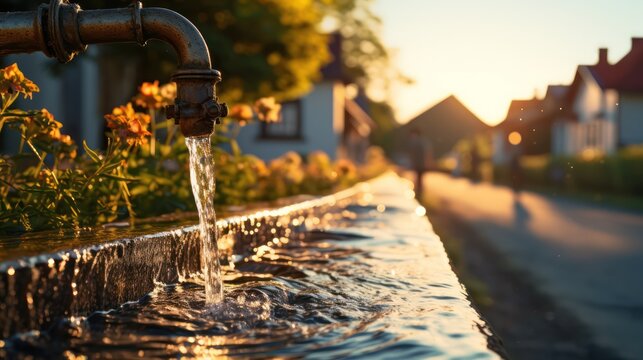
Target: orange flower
x,y
46,179
12,80
258,166
66,139
40,125
267,109
43,125
241,112
149,96
128,125
168,93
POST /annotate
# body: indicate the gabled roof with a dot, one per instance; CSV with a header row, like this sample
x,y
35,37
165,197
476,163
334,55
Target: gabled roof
x,y
522,111
535,112
625,75
444,124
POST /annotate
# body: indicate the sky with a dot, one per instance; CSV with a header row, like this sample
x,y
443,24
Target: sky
x,y
488,52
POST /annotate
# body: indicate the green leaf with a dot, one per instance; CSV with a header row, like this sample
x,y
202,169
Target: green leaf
x,y
110,167
138,190
92,154
37,190
120,178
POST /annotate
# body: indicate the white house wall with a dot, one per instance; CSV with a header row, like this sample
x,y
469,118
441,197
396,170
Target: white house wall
x,y
560,139
630,125
322,119
498,143
611,104
588,102
597,110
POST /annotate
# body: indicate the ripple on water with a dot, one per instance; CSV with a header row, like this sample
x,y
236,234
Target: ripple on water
x,y
328,294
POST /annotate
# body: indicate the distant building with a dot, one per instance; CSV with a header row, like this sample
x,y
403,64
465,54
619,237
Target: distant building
x,y
326,119
607,104
533,119
443,125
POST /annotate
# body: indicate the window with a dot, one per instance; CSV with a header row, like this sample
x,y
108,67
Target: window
x,y
289,126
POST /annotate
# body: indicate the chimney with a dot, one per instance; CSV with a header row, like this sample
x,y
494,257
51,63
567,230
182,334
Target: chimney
x,y
637,43
602,56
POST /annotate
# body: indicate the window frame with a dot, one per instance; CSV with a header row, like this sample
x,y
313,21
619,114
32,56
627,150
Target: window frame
x,y
265,134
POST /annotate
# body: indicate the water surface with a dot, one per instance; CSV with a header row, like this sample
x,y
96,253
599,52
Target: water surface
x,y
367,280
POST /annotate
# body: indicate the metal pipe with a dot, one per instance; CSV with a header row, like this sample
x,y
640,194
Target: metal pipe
x,y
20,32
115,25
62,30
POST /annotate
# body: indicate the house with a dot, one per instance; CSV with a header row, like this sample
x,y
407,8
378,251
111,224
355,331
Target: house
x,y
328,118
443,125
607,105
533,119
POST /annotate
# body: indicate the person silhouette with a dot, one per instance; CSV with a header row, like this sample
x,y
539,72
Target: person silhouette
x,y
420,152
475,162
515,169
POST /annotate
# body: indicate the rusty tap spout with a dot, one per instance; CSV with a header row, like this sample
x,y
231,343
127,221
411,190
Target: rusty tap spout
x,y
62,30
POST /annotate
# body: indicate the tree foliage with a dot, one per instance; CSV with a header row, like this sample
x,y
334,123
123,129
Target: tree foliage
x,y
263,47
383,115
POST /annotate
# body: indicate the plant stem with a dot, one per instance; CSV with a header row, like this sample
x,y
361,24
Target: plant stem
x,y
153,131
234,145
126,197
170,131
22,143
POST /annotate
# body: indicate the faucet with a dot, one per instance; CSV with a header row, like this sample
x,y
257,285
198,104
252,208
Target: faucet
x,y
62,30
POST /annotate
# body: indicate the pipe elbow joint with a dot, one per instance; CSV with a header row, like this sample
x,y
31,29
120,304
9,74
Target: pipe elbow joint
x,y
62,30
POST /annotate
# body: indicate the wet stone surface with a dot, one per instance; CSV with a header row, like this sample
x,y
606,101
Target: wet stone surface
x,y
358,275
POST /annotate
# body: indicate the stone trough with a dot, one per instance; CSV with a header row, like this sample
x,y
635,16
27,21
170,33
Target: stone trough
x,y
38,290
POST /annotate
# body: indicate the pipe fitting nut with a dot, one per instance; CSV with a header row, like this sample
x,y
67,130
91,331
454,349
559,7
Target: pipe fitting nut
x,y
215,110
64,42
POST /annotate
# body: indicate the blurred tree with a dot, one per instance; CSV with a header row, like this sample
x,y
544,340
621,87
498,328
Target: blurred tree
x,y
367,62
263,47
382,113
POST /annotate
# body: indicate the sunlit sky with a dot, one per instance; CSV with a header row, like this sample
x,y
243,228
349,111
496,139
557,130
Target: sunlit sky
x,y
490,52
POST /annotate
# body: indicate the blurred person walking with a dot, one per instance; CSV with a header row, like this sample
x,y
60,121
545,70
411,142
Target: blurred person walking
x,y
515,169
420,155
475,162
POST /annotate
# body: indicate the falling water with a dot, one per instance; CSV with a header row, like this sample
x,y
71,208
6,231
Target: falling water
x,y
202,178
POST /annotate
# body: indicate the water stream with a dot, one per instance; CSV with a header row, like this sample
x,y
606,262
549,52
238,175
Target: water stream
x,y
203,187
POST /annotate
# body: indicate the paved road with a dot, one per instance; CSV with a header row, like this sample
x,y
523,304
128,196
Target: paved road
x,y
588,258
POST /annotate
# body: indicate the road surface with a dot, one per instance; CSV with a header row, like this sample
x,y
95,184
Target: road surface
x,y
588,258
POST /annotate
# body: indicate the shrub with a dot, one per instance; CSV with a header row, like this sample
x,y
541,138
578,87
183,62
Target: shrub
x,y
620,173
45,185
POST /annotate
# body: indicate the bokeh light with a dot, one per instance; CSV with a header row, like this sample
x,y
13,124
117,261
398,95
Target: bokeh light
x,y
514,138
